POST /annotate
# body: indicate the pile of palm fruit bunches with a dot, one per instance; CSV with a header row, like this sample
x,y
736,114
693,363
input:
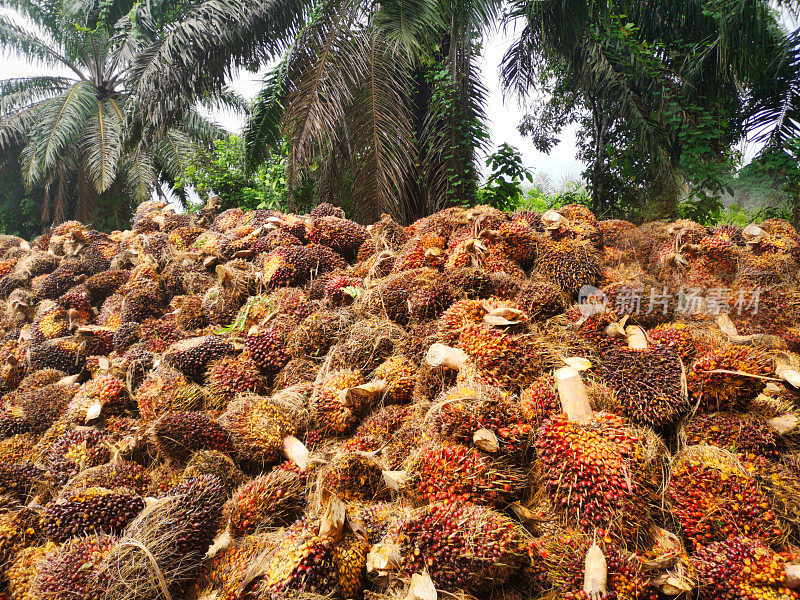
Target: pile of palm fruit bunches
x,y
259,405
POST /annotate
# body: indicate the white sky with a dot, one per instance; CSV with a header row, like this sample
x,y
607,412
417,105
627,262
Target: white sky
x,y
504,113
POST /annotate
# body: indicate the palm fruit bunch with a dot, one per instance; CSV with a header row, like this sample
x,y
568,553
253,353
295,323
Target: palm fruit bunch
x,y
231,375
223,574
462,547
596,473
92,510
742,568
274,499
302,562
177,533
677,337
352,477
452,472
331,413
729,377
741,433
192,356
648,384
50,324
259,425
104,395
166,389
73,569
377,429
579,566
179,434
341,235
75,451
65,354
267,350
714,495
317,333
42,406
570,266
118,474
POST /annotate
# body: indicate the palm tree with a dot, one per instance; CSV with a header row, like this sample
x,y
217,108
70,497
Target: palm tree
x,y
379,101
648,66
74,129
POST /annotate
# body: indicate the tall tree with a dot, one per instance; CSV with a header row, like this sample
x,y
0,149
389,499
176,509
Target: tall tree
x,y
75,131
652,75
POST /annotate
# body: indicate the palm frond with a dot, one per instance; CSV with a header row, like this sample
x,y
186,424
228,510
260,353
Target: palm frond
x,y
225,99
140,174
262,131
410,25
195,56
200,130
102,145
61,125
14,127
380,127
20,92
321,72
173,153
14,38
774,105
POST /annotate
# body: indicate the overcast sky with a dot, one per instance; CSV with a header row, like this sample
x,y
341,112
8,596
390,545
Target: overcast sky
x,y
504,113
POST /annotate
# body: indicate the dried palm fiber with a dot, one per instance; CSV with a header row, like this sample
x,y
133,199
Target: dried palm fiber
x,y
714,495
259,425
598,470
166,389
318,332
366,343
230,375
273,499
160,552
296,371
461,546
21,572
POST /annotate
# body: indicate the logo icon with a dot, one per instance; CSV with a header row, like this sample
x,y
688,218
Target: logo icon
x,y
591,300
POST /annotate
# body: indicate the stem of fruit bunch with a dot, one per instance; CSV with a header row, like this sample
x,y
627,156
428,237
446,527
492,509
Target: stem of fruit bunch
x,y
595,573
296,451
446,356
421,588
573,395
637,338
366,392
791,577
